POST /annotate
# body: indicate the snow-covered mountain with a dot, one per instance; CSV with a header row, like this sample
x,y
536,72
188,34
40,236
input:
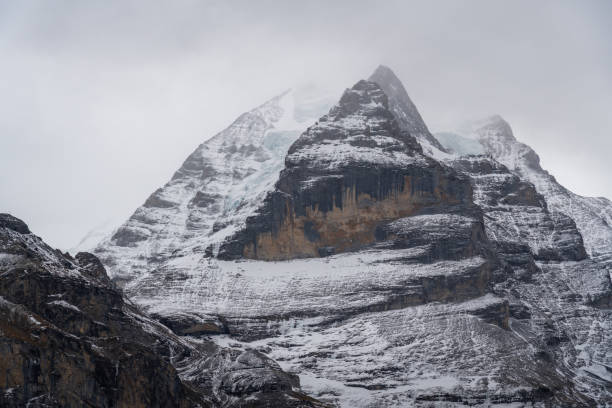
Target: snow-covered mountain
x,y
383,266
218,186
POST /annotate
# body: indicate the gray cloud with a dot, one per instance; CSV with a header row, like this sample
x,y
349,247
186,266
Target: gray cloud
x,y
102,101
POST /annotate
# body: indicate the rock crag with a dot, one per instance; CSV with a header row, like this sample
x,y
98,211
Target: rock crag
x,y
345,176
68,338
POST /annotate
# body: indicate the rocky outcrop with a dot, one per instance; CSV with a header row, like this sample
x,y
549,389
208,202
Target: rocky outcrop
x,y
15,224
68,338
353,171
448,236
65,339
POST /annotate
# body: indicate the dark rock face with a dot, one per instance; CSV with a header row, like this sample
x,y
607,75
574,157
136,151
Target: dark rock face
x,y
344,177
156,201
242,379
125,237
448,236
191,325
91,266
12,223
69,339
65,337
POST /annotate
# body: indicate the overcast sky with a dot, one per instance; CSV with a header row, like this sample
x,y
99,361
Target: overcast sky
x,y
101,101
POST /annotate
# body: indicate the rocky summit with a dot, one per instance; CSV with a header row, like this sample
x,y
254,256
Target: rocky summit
x,y
337,256
347,175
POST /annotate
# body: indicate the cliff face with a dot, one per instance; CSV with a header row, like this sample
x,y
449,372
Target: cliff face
x,y
69,339
355,169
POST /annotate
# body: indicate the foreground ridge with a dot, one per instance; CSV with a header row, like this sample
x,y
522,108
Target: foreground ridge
x,y
68,338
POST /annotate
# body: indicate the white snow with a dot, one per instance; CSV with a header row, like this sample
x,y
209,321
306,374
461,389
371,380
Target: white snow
x,y
65,305
254,288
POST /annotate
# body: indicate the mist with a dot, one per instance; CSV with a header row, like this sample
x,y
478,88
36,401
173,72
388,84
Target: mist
x,y
101,102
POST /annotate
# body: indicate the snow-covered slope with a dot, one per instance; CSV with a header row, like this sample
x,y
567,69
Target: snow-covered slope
x,y
215,190
459,145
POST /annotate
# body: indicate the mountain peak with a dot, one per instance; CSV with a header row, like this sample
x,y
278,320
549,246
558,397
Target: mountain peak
x,y
383,71
406,113
477,241
364,95
493,127
344,177
272,109
360,127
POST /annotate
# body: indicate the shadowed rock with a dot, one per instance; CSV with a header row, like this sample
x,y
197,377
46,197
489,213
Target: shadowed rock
x,y
69,339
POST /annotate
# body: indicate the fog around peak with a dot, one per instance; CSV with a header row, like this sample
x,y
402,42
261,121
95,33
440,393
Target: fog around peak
x,y
102,102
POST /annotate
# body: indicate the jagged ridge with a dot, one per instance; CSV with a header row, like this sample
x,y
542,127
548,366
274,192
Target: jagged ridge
x,y
353,170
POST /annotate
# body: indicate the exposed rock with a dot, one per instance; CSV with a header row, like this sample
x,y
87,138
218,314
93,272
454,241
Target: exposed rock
x,y
12,223
449,236
91,266
155,200
592,216
69,339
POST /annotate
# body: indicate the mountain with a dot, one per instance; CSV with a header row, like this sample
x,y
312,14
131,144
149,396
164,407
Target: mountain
x,y
68,338
380,265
